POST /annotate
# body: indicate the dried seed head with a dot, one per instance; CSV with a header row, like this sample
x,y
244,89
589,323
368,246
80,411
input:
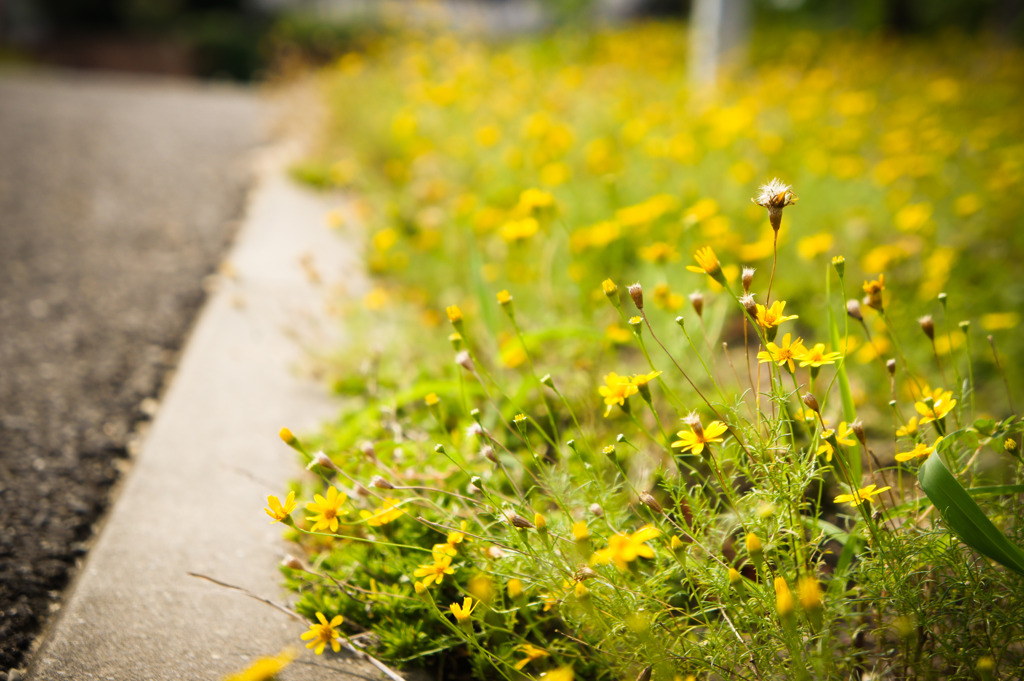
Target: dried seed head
x,y
495,553
928,326
645,675
775,195
853,309
890,365
292,563
472,490
518,521
697,300
748,303
747,278
583,573
596,510
636,292
812,403
361,491
378,481
648,500
489,454
321,459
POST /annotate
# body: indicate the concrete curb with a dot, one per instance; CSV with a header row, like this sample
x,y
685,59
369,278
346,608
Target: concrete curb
x,y
194,498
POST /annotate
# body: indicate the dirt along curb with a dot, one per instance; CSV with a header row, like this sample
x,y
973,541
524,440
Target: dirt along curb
x,y
193,501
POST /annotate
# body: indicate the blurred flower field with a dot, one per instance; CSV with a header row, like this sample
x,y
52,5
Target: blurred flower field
x,y
743,465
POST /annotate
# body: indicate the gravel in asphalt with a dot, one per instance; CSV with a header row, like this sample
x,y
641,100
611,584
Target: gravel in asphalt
x,y
117,197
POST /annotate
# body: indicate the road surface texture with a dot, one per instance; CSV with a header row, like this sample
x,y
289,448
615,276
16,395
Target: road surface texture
x,y
118,196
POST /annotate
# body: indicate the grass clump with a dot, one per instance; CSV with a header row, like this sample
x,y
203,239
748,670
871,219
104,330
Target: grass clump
x,y
546,472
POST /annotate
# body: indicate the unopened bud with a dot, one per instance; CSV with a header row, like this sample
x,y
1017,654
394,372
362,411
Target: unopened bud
x,y
890,366
783,598
546,380
927,326
747,278
812,402
378,481
596,510
754,546
286,435
610,288
648,500
697,300
636,292
292,563
645,675
540,522
853,309
858,430
472,490
965,326
489,454
839,262
463,359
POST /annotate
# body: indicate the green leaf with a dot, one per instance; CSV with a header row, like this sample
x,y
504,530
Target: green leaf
x,y
849,411
964,517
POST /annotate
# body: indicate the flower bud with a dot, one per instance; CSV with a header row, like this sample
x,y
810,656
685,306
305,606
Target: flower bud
x,y
378,481
547,380
839,262
890,365
360,490
286,436
596,510
858,430
812,402
519,521
645,674
927,326
853,309
540,522
489,454
636,292
783,598
321,459
697,300
368,450
292,563
609,287
648,500
463,359
754,546
748,303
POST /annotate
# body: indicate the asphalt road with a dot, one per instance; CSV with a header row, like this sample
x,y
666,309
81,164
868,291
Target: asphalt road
x,y
118,196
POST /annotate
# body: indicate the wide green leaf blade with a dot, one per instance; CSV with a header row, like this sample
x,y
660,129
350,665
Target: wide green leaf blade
x,y
964,517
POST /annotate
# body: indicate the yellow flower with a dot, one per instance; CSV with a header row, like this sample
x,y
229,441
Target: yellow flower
x,y
644,379
580,531
515,588
616,390
519,230
609,287
454,314
860,496
767,317
909,429
697,437
842,437
560,674
941,403
326,510
816,356
504,297
809,592
463,612
319,635
434,572
783,597
535,199
919,451
532,653
707,263
659,253
783,354
279,511
873,291
624,549
264,668
388,512
431,399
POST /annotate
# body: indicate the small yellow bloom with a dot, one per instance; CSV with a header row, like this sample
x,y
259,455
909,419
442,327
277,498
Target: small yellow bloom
x,y
279,511
784,354
909,429
264,668
463,612
940,404
624,549
326,510
434,572
519,230
286,436
698,437
504,297
843,437
659,253
432,399
319,635
609,287
707,263
515,588
616,390
560,674
539,521
919,451
389,511
860,496
580,531
532,653
809,593
873,291
754,545
783,598
454,314
767,317
817,357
